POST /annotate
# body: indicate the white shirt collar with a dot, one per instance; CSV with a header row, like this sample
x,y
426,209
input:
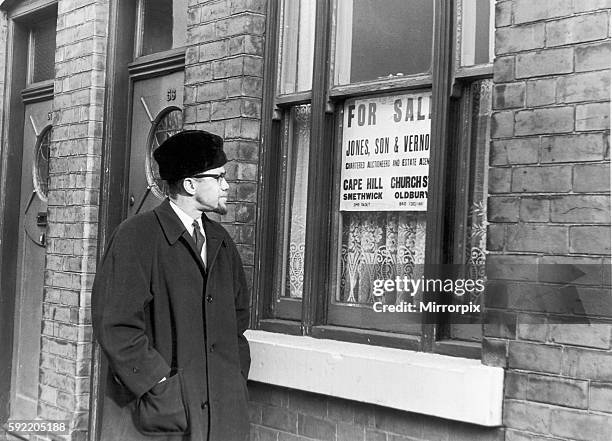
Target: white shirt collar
x,y
186,219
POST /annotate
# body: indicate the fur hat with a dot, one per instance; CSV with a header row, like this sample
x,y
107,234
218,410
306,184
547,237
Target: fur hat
x,y
189,153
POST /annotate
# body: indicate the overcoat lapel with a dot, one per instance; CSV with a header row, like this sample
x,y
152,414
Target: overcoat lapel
x,y
171,225
214,239
174,230
194,253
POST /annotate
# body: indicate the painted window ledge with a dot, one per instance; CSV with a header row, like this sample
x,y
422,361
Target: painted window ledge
x,y
447,387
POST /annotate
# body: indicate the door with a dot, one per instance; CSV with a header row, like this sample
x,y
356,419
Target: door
x,y
30,259
146,64
156,115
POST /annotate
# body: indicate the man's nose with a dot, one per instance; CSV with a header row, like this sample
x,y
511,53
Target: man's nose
x,y
224,184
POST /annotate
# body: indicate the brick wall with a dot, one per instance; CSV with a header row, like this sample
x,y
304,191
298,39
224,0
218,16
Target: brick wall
x,y
74,184
280,414
549,214
223,94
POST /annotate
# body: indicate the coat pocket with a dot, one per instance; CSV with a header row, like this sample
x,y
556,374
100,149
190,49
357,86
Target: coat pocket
x,y
163,410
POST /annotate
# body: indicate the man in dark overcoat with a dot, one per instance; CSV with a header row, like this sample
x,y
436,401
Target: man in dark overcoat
x,y
170,305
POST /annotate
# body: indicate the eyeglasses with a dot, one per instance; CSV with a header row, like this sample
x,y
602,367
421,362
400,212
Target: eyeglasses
x,y
218,176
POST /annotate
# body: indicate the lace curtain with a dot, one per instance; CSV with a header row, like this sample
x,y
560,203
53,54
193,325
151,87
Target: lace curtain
x,y
298,134
379,245
477,216
476,237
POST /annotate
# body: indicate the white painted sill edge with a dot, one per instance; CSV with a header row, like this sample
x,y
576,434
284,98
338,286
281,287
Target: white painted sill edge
x,y
447,387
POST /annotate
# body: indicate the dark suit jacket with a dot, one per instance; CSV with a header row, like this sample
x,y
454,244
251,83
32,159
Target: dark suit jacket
x,y
157,313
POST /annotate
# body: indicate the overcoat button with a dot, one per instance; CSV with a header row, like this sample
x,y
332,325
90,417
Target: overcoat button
x,y
212,348
209,299
135,370
204,404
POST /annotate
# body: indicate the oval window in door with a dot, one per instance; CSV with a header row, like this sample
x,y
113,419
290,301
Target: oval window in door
x,y
40,166
168,122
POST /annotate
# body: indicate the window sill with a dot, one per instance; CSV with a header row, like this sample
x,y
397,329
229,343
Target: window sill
x,y
447,387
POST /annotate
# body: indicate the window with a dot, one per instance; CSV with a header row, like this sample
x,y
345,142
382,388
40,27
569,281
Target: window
x,y
476,31
162,25
374,42
41,63
292,126
169,122
40,166
296,46
375,146
471,118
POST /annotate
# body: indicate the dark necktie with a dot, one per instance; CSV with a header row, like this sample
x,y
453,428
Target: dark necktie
x,y
198,237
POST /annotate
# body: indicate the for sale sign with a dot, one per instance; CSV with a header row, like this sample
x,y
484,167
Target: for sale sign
x,y
386,142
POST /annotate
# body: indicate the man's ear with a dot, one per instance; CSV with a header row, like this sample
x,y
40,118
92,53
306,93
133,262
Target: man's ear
x,y
189,186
